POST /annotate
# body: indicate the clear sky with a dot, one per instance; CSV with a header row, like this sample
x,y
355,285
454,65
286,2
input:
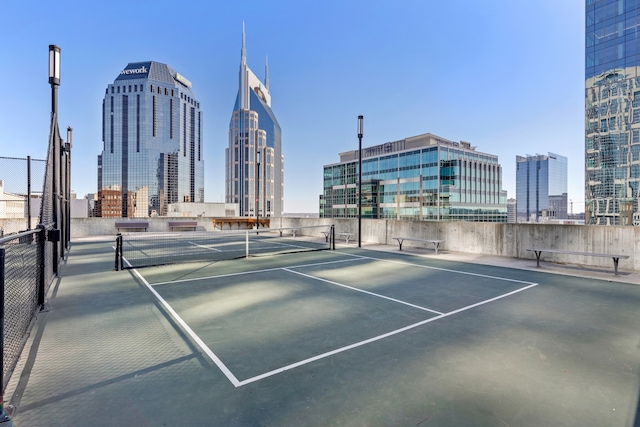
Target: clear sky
x,y
505,75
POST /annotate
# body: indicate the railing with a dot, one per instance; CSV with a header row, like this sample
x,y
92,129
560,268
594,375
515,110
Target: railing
x,y
25,274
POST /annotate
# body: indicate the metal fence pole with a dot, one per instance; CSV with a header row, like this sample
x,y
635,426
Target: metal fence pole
x,y
2,270
28,192
42,253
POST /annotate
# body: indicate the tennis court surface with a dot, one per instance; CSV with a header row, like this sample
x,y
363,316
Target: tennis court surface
x,y
345,337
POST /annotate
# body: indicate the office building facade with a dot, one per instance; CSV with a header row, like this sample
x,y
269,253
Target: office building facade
x,y
254,172
612,112
541,188
152,143
425,178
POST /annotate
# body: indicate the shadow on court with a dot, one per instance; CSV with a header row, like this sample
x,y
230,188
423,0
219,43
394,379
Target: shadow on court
x,y
348,337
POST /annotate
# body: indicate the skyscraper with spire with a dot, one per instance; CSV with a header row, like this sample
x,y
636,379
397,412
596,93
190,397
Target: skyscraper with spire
x,y
254,163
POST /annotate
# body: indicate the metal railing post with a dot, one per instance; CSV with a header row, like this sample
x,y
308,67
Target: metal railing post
x,y
2,274
42,254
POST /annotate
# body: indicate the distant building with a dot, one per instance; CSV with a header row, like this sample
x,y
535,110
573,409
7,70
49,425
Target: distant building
x,y
612,113
254,162
511,211
424,177
152,143
12,205
541,188
208,210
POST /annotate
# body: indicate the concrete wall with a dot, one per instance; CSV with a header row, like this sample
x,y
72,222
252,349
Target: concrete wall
x,y
508,240
83,227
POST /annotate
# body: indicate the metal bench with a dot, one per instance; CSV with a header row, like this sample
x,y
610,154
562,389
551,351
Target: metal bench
x,y
436,242
615,257
132,225
183,225
346,236
292,230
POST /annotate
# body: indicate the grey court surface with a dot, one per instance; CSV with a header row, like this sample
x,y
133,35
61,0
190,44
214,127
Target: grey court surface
x,y
352,337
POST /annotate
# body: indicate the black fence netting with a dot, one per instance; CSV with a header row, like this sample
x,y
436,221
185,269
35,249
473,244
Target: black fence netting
x,y
34,219
20,193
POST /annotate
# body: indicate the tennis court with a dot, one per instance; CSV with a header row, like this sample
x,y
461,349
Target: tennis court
x,y
346,337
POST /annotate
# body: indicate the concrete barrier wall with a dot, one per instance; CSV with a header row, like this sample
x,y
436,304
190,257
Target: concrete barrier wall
x,y
508,240
83,227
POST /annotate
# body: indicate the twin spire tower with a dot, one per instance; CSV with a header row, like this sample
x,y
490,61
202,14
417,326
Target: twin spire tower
x,y
254,172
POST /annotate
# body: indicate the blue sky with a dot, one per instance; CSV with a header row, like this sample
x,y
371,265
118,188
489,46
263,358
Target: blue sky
x,y
506,76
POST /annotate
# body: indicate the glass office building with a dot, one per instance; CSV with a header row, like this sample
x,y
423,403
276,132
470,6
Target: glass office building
x,y
152,143
541,188
424,178
612,112
254,163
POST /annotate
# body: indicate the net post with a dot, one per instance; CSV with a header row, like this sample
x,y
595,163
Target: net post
x,y
332,243
246,237
118,260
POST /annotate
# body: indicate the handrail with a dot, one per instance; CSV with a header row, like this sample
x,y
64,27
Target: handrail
x,y
10,237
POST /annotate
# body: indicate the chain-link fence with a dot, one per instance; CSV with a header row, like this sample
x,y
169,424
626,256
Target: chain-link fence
x,y
35,224
20,193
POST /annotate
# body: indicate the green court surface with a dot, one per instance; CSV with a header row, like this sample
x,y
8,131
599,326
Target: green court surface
x,y
351,337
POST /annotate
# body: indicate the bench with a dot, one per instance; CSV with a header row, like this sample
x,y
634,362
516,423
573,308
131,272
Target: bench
x,y
132,225
183,225
615,257
292,230
346,236
326,235
436,242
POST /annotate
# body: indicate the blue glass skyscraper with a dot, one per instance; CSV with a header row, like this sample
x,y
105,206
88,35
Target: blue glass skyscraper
x,y
254,162
152,143
612,112
541,187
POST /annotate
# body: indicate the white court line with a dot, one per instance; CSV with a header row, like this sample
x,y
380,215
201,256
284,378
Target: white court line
x,y
204,247
215,359
364,292
379,337
238,383
253,271
440,269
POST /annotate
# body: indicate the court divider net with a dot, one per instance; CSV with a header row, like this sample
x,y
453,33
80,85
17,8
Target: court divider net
x,y
143,249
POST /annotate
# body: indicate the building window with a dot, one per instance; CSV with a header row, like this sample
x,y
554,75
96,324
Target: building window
x,y
155,115
171,118
151,89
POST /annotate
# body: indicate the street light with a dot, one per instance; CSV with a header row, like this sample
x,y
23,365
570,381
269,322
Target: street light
x,y
54,75
258,190
360,126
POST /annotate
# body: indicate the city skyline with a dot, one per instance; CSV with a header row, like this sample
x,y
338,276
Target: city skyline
x,y
482,73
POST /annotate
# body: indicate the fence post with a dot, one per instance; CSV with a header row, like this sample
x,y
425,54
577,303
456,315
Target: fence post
x,y
28,192
42,253
2,271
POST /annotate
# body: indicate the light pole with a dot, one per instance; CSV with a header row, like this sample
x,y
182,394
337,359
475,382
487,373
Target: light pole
x,y
54,75
54,81
360,120
258,190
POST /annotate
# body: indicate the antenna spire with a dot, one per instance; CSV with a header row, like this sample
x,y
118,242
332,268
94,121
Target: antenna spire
x,y
266,73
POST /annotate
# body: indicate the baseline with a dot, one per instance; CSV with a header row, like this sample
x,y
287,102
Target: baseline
x,y
486,276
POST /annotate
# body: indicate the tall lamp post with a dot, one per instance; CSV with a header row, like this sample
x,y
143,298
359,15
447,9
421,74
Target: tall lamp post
x,y
258,189
360,124
54,81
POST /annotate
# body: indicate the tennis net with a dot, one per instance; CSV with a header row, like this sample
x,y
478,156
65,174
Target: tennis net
x,y
135,250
